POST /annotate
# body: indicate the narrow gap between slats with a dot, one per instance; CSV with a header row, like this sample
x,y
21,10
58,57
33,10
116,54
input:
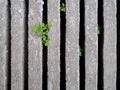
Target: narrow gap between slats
x,y
118,44
26,46
9,47
82,45
100,44
62,48
45,52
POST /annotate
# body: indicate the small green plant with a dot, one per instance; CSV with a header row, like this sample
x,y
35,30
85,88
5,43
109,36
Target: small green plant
x,y
99,30
63,7
43,30
80,52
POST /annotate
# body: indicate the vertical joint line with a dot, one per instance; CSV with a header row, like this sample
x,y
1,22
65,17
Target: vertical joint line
x,y
118,45
9,46
62,48
45,52
82,44
26,44
100,45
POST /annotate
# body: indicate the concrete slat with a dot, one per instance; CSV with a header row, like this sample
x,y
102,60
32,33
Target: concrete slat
x,y
110,42
91,45
3,44
17,44
54,47
72,44
35,46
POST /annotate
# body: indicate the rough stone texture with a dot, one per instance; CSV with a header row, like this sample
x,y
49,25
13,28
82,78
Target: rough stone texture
x,y
110,42
91,45
17,44
35,46
3,43
54,47
72,45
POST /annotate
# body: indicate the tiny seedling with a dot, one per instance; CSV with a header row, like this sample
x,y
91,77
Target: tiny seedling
x,y
63,7
80,52
99,30
43,30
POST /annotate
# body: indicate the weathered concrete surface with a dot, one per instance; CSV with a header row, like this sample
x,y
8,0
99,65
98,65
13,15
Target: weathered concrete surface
x,y
110,42
91,45
72,44
35,46
3,43
54,47
17,44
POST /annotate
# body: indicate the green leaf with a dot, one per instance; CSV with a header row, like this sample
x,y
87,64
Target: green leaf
x,y
80,52
44,37
99,30
48,26
42,25
37,28
63,7
40,33
46,43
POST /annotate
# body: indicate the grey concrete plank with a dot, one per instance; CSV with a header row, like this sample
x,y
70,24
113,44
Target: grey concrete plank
x,y
110,42
54,47
72,44
3,44
17,44
91,45
35,46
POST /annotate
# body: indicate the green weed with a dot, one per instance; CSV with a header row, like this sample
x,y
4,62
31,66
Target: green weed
x,y
63,7
80,52
99,30
43,30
